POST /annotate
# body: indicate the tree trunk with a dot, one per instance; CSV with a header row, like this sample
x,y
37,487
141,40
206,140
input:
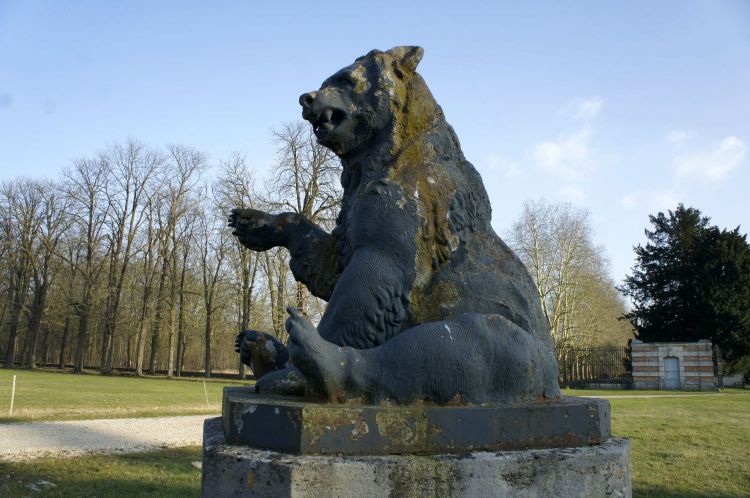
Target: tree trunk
x,y
172,348
108,342
180,333
38,306
10,351
44,354
64,342
109,318
35,320
141,335
181,314
182,345
302,297
15,318
156,327
82,339
172,313
208,334
129,352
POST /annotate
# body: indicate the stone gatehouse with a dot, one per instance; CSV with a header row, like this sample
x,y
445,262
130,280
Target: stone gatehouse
x,y
687,366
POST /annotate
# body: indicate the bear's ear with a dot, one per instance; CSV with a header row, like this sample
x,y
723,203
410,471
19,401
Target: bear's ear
x,y
407,57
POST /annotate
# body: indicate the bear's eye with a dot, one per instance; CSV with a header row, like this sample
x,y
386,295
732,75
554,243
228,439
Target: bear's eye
x,y
345,80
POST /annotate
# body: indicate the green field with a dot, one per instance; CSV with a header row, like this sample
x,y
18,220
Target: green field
x,y
159,474
687,447
644,392
52,395
682,446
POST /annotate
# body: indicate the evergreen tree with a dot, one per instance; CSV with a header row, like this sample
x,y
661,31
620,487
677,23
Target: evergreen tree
x,y
691,281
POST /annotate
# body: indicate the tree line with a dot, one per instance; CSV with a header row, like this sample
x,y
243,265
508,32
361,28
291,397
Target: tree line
x,y
125,259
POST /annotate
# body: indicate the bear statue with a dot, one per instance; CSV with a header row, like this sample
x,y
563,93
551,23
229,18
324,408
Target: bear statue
x,y
425,302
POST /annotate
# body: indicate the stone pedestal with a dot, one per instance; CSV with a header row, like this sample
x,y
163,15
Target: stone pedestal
x,y
587,471
282,447
294,426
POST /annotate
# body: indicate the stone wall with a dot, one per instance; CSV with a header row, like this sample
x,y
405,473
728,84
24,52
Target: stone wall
x,y
737,380
673,365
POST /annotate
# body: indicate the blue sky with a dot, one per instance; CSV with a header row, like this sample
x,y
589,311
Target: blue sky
x,y
625,108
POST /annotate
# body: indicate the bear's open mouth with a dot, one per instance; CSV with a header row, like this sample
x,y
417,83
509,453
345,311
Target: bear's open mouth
x,y
327,120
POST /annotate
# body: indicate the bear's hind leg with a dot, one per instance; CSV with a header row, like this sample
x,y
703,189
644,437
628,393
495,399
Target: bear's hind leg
x,y
472,358
325,365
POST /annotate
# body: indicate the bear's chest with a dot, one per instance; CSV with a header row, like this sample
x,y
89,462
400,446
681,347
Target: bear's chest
x,y
379,215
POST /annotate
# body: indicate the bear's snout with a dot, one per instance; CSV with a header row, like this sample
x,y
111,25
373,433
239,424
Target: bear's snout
x,y
306,101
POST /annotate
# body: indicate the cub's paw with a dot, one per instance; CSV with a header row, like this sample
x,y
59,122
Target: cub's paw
x,y
285,382
262,352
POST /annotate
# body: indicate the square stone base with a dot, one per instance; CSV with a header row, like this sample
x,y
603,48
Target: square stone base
x,y
589,471
292,425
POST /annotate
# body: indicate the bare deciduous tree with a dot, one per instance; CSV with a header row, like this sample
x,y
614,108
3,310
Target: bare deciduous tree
x,y
234,188
133,166
50,227
213,249
21,203
86,185
182,175
571,274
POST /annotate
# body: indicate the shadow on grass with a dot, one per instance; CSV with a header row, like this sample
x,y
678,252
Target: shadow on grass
x,y
665,492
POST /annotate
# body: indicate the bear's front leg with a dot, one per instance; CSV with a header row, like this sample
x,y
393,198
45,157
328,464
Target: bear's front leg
x,y
314,260
261,231
372,299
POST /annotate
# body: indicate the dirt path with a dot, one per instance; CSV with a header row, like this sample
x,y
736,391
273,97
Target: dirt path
x,y
75,437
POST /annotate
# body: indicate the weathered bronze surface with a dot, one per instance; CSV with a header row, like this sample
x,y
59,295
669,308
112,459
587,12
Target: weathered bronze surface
x,y
425,302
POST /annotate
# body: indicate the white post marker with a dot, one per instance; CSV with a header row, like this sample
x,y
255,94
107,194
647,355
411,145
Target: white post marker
x,y
204,390
12,395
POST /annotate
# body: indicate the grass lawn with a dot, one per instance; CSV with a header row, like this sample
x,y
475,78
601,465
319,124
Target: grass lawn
x,y
52,395
639,392
687,447
159,474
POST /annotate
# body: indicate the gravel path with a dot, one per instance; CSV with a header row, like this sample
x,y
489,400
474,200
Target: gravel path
x,y
75,437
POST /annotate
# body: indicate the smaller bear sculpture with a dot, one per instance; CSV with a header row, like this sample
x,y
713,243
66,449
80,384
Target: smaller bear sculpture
x,y
425,302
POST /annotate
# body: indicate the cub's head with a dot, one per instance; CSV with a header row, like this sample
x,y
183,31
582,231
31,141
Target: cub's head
x,y
380,97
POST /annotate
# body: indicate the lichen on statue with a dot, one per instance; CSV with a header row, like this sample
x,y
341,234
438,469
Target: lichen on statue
x,y
425,302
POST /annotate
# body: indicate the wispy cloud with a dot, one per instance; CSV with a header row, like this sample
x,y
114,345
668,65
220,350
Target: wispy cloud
x,y
713,165
678,138
567,156
652,200
570,155
572,193
691,170
583,109
497,164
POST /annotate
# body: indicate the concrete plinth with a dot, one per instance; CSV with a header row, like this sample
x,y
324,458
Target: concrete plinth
x,y
587,471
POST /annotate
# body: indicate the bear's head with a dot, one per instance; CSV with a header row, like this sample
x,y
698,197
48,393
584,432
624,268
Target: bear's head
x,y
379,99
